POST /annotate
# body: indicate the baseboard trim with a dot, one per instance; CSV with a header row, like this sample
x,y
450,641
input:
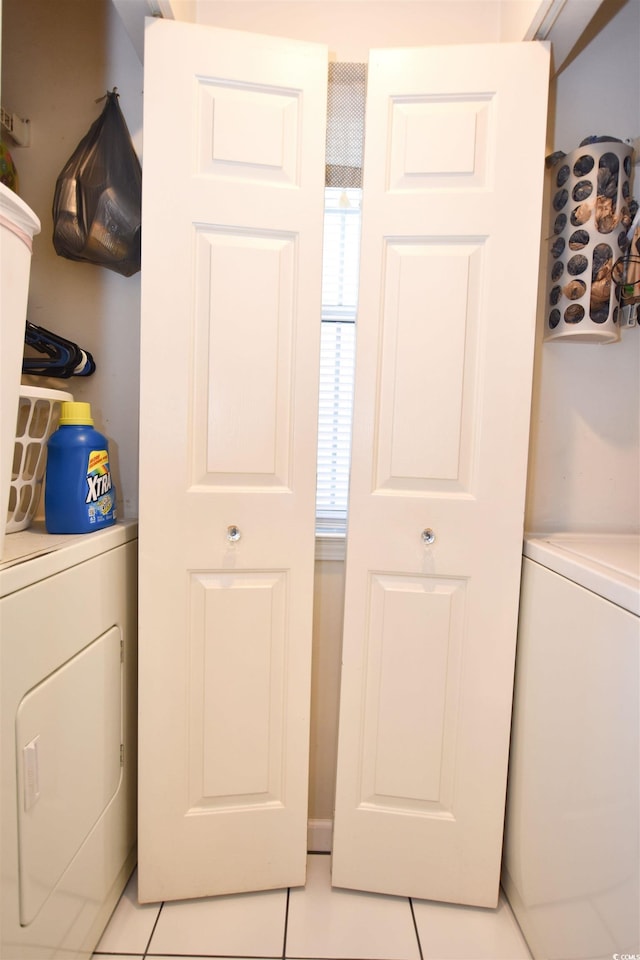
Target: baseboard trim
x,y
319,836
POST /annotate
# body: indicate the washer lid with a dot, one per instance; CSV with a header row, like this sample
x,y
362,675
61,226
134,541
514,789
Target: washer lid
x,y
607,564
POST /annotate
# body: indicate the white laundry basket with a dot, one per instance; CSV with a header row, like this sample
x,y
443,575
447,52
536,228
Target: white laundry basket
x,y
18,225
38,414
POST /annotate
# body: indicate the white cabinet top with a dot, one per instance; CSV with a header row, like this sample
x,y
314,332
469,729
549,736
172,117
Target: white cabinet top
x,y
33,554
607,564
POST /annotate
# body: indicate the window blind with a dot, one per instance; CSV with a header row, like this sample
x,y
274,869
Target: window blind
x,y
337,355
341,256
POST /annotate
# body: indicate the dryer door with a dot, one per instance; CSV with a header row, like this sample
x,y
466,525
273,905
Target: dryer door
x,y
68,737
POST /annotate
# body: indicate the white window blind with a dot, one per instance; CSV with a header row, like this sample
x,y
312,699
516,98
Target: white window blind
x,y
341,256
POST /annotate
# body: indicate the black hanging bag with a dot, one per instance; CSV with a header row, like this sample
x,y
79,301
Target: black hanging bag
x,y
97,200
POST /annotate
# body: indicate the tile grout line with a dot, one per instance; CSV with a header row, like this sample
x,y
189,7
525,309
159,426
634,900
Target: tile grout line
x,y
153,930
516,921
286,925
415,927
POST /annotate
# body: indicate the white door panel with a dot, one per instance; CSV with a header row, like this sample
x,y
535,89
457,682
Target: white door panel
x,y
230,344
454,158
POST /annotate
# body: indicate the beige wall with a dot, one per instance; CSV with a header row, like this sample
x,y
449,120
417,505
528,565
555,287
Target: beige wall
x,y
57,58
328,605
350,28
584,471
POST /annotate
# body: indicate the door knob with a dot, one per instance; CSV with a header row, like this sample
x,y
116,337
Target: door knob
x,y
428,536
233,533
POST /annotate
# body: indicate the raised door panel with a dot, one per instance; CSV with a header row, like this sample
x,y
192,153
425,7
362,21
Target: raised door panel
x,y
412,687
428,363
244,335
236,694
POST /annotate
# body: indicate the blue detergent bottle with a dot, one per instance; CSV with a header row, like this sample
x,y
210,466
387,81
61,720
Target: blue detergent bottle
x,y
79,494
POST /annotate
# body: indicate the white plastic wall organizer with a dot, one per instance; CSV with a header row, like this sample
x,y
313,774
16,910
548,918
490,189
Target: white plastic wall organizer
x,y
590,194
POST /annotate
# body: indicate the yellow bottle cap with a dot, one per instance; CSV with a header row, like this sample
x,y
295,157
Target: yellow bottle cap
x,y
72,412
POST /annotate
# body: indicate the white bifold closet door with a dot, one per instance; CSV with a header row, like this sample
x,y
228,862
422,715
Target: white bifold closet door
x,y
452,192
233,207
234,139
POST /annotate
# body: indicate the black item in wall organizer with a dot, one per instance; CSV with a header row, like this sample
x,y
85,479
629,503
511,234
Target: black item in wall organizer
x,y
591,199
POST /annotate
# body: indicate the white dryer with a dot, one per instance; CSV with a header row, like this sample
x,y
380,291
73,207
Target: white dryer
x,y
68,686
571,868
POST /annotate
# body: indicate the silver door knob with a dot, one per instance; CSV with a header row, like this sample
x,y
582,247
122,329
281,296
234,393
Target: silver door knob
x,y
428,536
233,533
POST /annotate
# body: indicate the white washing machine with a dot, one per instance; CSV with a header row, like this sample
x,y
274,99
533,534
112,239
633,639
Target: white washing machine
x,y
571,866
68,737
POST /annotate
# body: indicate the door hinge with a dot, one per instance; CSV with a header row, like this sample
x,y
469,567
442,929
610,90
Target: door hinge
x,y
121,650
122,754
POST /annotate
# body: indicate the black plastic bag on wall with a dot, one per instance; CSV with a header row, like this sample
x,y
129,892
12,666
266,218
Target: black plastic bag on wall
x,y
97,200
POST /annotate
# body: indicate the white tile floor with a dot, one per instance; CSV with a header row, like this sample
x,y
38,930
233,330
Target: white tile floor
x,y
314,922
